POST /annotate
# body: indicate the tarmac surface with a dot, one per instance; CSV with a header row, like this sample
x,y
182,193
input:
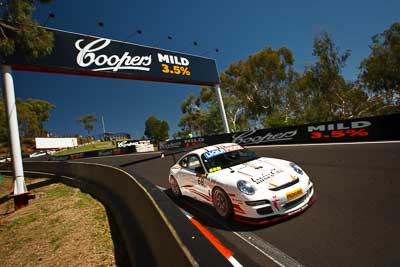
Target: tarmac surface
x,y
355,221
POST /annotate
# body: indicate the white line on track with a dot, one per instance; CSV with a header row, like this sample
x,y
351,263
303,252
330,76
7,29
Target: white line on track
x,y
273,253
329,144
231,259
267,249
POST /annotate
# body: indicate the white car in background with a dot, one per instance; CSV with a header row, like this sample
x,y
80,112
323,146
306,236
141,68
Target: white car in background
x,y
241,185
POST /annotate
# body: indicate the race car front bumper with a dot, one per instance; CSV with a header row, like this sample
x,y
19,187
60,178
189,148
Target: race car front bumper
x,y
277,218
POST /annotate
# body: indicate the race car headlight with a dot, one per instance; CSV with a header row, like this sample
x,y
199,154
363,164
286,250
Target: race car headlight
x,y
245,187
296,168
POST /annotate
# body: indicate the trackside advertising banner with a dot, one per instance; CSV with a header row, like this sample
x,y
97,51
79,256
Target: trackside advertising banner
x,y
96,56
131,143
356,130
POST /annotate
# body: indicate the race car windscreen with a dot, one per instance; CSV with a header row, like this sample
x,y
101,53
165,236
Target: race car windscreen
x,y
225,160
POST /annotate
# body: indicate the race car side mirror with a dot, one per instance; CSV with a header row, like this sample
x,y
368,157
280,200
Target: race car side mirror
x,y
199,170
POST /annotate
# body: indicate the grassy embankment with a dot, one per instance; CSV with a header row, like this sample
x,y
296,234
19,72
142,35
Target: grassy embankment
x,y
85,148
61,227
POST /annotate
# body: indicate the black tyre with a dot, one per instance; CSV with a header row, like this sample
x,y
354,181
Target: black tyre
x,y
222,203
176,191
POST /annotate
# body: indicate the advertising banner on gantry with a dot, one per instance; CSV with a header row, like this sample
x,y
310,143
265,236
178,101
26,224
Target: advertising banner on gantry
x,y
95,56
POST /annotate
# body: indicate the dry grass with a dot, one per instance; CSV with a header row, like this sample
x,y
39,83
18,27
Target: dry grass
x,y
61,227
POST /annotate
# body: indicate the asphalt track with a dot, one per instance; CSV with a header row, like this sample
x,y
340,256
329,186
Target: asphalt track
x,y
355,221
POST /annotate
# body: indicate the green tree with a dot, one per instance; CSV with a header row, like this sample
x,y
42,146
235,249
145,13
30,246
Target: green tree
x,y
211,114
155,129
265,89
87,121
191,121
380,71
41,109
28,123
32,114
322,90
252,91
260,87
26,36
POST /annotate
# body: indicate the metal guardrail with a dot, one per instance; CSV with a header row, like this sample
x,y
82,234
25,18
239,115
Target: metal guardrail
x,y
153,229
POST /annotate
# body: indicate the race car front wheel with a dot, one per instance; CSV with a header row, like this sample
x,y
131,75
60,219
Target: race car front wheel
x,y
176,191
222,203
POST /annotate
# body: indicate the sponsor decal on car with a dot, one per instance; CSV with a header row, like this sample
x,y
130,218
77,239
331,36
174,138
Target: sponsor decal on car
x,y
200,194
214,169
214,153
269,175
253,173
275,202
238,209
221,150
232,148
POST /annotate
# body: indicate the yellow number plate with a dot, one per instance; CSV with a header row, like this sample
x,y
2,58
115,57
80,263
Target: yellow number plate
x,y
294,194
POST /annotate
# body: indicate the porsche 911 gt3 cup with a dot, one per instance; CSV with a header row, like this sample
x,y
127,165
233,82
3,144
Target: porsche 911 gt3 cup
x,y
240,184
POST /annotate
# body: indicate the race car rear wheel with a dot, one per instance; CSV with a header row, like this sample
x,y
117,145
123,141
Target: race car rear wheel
x,y
176,191
222,203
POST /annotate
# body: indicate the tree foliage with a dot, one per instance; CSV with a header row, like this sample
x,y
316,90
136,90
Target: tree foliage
x,y
27,36
32,114
321,87
87,121
41,109
380,71
266,91
155,129
191,120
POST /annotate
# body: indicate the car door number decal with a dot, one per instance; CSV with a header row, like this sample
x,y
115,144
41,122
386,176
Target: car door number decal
x,y
200,181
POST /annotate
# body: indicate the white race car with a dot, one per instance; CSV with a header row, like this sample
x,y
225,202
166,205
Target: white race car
x,y
239,184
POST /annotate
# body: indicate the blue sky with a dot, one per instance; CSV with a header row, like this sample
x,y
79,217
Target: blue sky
x,y
237,28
